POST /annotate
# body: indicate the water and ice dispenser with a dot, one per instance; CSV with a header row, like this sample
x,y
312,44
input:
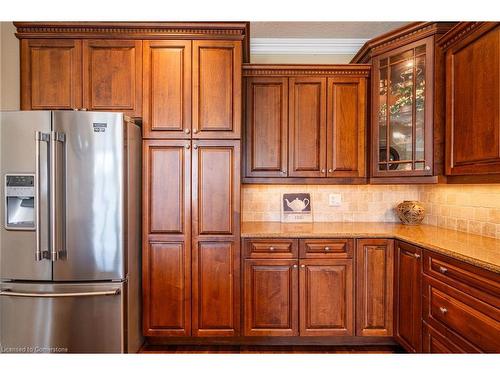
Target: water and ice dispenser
x,y
20,201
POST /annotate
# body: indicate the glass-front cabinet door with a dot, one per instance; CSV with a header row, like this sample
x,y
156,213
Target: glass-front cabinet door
x,y
402,111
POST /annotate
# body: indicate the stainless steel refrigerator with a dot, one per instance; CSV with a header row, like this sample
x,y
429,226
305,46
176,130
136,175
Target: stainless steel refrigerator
x,y
70,237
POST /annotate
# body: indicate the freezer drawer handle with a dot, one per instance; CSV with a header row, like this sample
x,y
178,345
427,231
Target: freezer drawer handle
x,y
8,292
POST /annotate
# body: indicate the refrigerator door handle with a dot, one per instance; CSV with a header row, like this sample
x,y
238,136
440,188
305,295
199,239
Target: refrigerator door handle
x,y
8,292
39,137
55,200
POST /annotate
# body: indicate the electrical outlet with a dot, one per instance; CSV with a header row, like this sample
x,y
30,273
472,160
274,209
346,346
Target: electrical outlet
x,y
335,199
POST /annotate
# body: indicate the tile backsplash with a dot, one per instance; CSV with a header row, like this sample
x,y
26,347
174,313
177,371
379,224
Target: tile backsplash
x,y
468,208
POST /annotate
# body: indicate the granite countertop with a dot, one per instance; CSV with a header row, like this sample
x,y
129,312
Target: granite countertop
x,y
477,250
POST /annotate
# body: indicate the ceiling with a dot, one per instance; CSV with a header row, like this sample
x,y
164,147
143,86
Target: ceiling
x,y
366,30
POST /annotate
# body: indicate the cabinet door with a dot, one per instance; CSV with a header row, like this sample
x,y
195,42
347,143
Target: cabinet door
x,y
216,89
402,111
326,298
472,102
346,131
216,237
408,296
51,74
271,297
112,76
166,89
374,287
266,126
307,127
166,238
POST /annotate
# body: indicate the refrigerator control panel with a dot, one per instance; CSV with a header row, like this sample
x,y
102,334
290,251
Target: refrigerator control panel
x,y
20,201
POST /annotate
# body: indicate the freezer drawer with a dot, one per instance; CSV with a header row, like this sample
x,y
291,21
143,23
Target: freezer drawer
x,y
69,317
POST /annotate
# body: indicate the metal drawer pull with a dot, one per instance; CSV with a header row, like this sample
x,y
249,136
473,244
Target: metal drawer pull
x,y
416,255
444,310
327,248
295,266
8,292
303,265
271,248
443,269
187,131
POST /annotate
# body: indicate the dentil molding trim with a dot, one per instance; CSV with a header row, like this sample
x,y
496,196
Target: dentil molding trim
x,y
305,46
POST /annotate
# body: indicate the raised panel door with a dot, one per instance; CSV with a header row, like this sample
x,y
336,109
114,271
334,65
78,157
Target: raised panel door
x,y
408,296
374,287
266,127
307,127
346,130
326,297
51,76
167,289
166,89
216,189
217,89
216,288
270,297
112,76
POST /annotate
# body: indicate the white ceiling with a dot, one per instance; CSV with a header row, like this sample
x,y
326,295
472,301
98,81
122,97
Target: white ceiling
x,y
354,30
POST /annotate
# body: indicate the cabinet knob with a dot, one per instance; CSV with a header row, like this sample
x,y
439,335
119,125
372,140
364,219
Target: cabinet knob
x,y
323,171
427,168
195,147
187,131
283,172
443,269
195,131
443,310
271,248
330,170
295,266
416,255
327,248
188,146
303,266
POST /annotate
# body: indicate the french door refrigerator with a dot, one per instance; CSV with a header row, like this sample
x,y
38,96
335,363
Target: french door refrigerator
x,y
70,237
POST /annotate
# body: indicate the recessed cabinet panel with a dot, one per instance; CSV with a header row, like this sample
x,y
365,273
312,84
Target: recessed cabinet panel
x,y
271,297
168,281
215,288
346,127
215,187
326,298
51,74
216,89
267,126
112,75
374,279
167,89
307,127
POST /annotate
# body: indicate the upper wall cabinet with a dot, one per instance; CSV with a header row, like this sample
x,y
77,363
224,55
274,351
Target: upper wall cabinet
x,y
305,123
407,112
473,102
191,72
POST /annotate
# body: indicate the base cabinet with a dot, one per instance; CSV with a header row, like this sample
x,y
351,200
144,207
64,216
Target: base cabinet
x,y
374,287
408,296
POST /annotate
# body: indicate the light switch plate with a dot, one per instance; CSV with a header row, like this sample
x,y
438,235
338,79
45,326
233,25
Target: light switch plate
x,y
335,199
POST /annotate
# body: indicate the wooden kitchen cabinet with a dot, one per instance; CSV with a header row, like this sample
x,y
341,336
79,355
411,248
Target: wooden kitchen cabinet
x,y
408,296
407,106
374,287
216,89
326,297
305,123
112,76
472,51
51,74
167,238
166,89
271,305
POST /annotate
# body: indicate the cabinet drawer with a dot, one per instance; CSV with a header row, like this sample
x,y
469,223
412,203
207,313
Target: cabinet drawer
x,y
471,319
475,281
435,342
271,248
321,248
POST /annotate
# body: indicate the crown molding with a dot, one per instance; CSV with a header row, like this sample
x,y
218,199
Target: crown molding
x,y
305,46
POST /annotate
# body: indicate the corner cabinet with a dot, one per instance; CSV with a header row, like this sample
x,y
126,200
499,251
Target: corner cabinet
x,y
407,106
472,51
305,124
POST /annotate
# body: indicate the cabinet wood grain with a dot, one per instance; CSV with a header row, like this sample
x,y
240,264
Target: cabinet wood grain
x,y
374,287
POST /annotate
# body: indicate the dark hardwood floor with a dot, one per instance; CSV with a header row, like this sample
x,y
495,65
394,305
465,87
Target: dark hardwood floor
x,y
274,349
